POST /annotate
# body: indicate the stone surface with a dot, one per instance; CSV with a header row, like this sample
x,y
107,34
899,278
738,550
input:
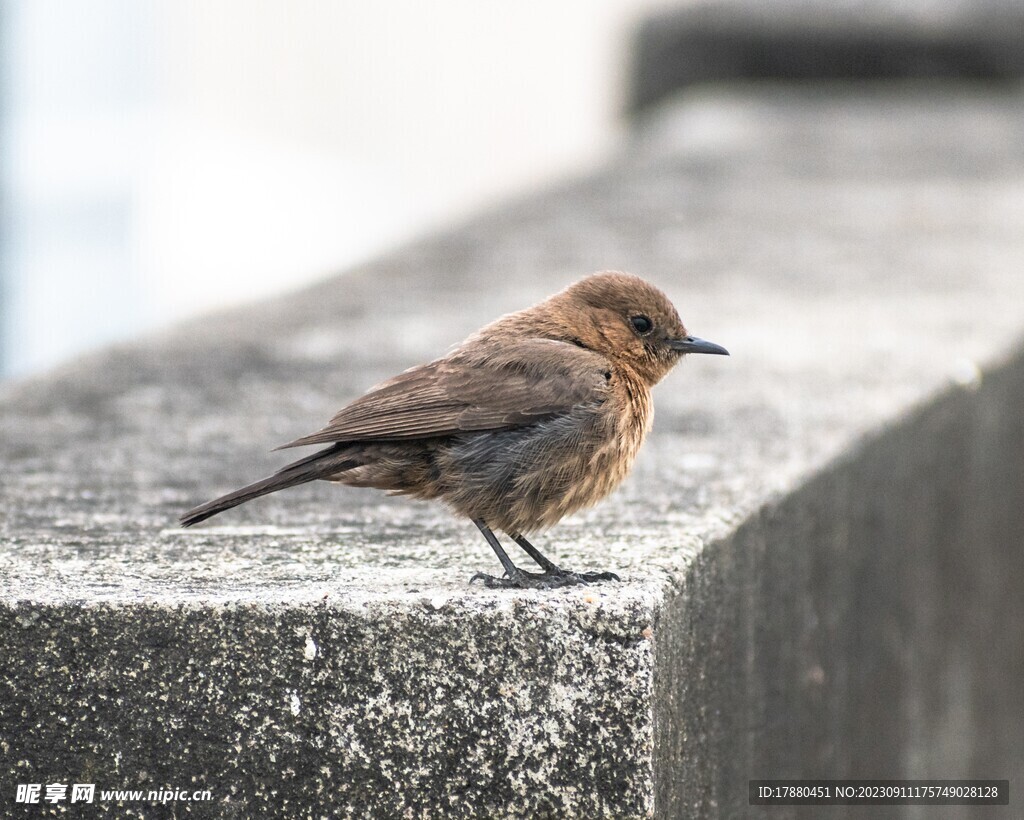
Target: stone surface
x,y
820,546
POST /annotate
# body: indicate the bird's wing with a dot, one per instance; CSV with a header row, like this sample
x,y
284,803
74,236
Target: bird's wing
x,y
528,380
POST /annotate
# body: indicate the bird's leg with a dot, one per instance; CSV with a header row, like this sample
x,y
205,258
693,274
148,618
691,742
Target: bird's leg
x,y
553,571
513,577
545,563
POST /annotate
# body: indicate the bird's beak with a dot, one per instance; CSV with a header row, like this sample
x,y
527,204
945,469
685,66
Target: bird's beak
x,y
691,344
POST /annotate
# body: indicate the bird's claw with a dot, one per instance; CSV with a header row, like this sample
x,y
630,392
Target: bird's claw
x,y
592,577
550,579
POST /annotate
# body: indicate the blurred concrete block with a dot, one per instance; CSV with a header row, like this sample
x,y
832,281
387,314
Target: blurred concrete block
x,y
742,40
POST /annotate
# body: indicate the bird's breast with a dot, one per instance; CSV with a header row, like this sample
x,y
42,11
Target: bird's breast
x,y
603,457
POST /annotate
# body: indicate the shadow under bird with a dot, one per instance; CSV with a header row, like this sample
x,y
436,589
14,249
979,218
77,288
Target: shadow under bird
x,y
533,417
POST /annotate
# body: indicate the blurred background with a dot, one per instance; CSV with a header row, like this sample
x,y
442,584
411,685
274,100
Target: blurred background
x,y
160,158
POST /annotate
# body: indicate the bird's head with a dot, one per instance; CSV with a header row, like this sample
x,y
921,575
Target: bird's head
x,y
627,320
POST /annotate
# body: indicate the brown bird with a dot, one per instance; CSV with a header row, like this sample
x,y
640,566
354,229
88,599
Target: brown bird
x,y
533,417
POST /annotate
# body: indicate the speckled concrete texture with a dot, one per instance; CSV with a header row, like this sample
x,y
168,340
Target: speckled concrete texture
x,y
820,545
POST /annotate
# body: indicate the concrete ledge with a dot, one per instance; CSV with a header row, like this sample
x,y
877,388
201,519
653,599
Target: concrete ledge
x,y
869,622
820,545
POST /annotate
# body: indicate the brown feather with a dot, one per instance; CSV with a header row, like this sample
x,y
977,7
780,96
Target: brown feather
x,y
464,393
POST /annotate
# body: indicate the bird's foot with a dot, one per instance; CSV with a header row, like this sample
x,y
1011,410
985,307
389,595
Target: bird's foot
x,y
550,579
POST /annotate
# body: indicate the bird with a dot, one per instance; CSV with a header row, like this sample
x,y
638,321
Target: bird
x,y
535,416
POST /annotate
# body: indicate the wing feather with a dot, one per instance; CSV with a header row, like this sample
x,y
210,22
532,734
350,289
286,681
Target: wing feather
x,y
526,381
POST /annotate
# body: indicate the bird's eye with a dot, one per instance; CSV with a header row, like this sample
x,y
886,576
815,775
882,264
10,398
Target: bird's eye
x,y
641,324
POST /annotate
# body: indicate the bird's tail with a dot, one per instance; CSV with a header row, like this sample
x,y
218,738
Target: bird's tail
x,y
322,464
